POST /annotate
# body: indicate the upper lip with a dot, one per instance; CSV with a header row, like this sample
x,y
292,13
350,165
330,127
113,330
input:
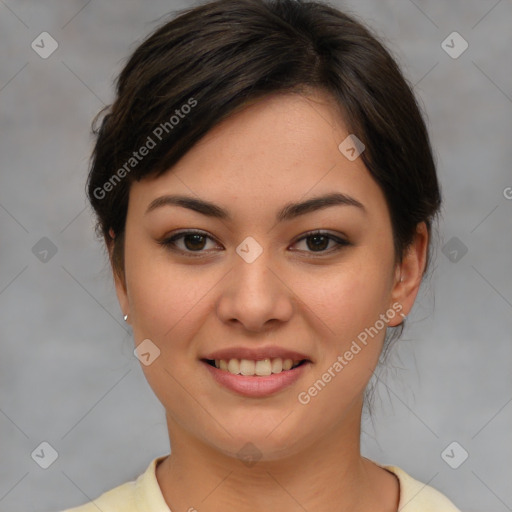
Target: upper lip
x,y
256,354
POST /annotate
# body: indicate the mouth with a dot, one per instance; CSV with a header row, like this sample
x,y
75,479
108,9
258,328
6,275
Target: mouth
x,y
256,372
261,377
256,368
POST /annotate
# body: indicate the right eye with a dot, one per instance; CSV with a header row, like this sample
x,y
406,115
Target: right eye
x,y
193,240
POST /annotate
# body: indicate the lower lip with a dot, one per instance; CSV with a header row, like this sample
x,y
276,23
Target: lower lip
x,y
256,386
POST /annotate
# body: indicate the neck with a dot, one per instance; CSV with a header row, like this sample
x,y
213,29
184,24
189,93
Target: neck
x,y
327,475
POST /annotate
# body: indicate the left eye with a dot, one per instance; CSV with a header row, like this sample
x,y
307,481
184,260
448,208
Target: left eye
x,y
194,241
320,240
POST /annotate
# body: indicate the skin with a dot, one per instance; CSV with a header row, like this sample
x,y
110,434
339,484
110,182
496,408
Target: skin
x,y
281,149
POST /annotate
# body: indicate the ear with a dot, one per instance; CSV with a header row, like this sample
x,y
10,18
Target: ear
x,y
409,273
119,278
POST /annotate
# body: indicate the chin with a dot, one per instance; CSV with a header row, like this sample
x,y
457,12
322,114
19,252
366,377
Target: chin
x,y
254,442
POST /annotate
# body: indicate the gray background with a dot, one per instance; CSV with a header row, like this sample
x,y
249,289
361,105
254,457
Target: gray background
x,y
68,375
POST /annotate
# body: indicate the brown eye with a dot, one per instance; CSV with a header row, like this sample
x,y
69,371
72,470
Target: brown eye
x,y
193,242
318,241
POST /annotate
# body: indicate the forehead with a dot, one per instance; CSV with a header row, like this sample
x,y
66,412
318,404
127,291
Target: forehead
x,y
281,148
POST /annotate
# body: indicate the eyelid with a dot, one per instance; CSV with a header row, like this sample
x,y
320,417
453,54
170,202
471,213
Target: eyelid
x,y
341,241
168,241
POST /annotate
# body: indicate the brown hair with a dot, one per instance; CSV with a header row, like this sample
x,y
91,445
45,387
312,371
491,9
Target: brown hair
x,y
211,60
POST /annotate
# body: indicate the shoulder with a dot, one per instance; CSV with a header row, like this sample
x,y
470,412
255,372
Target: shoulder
x,y
142,494
415,496
119,499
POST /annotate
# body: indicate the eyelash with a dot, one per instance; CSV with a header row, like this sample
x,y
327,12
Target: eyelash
x,y
170,242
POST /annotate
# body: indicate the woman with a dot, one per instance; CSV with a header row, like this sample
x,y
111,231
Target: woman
x,y
265,187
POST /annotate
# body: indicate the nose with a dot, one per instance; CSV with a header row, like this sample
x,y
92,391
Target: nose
x,y
255,296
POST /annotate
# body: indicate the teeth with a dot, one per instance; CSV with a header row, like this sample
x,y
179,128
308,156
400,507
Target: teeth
x,y
234,366
247,367
277,365
262,367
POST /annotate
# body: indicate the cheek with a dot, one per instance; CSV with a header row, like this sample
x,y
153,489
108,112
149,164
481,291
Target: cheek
x,y
349,305
166,300
163,295
348,297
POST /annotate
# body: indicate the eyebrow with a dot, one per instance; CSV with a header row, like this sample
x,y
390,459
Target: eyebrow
x,y
288,212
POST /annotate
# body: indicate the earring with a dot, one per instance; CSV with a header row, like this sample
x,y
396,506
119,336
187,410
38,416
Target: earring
x,y
125,318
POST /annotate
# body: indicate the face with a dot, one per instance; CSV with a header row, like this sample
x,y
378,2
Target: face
x,y
253,280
